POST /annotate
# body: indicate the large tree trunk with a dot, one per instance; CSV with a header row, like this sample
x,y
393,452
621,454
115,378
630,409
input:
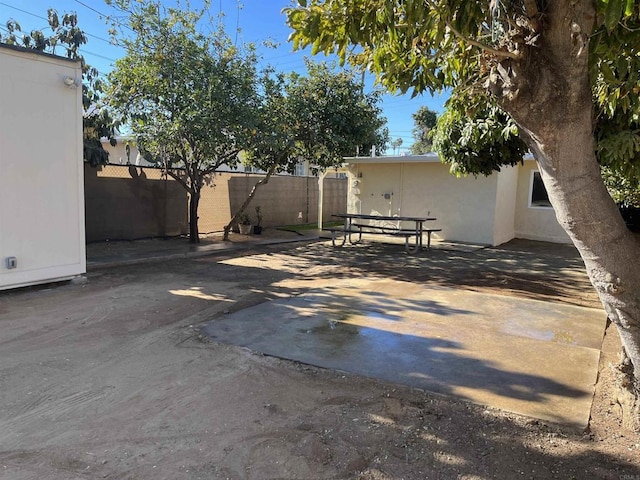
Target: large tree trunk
x,y
551,100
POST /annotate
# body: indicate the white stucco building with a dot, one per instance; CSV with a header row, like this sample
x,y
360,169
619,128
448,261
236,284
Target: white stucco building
x,y
484,210
42,235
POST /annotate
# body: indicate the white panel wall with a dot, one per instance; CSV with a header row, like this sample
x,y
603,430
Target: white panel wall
x,y
485,210
41,180
378,189
535,223
465,207
507,189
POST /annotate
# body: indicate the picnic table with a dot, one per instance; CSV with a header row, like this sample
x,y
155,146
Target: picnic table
x,y
354,223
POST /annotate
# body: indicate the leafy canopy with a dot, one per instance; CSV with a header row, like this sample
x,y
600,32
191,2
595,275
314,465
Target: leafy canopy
x,y
472,144
429,45
189,98
334,117
321,117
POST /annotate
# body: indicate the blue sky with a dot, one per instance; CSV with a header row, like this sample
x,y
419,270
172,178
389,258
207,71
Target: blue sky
x,y
257,20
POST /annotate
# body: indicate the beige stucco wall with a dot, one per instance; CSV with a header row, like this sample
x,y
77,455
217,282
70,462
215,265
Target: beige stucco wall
x,y
506,192
485,210
129,202
41,180
465,207
535,223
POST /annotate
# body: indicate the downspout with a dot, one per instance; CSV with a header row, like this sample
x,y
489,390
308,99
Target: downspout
x,y
400,193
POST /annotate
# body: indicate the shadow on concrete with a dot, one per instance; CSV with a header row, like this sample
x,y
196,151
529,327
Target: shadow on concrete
x,y
429,344
529,269
340,425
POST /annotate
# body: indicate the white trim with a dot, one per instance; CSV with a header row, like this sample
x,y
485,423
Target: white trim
x,y
431,157
427,158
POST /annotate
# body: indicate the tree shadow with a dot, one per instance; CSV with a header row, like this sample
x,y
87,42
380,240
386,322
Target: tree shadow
x,y
338,336
535,270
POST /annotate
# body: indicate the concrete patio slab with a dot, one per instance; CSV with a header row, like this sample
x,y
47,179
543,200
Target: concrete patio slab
x,y
534,358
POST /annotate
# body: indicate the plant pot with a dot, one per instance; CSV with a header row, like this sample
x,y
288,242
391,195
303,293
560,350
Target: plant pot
x,y
257,229
244,229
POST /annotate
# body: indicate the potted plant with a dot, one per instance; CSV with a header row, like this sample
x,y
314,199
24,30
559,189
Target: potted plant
x,y
244,224
257,228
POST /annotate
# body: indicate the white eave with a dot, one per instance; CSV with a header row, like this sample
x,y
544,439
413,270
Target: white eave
x,y
426,158
431,157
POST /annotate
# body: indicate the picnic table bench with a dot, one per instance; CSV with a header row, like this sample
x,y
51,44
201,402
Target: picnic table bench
x,y
383,225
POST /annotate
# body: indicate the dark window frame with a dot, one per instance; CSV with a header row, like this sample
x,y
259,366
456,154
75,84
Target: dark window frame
x,y
538,196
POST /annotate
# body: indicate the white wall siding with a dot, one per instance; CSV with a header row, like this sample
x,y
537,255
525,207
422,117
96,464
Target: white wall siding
x,y
506,193
41,176
464,207
535,223
484,210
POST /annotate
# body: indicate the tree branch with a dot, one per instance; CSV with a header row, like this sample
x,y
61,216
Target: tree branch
x,y
178,179
530,8
486,48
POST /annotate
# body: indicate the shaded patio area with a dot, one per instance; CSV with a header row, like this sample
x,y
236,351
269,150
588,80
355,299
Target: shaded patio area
x,y
526,356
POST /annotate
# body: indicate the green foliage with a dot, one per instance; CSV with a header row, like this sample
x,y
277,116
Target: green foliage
x,y
243,219
624,190
408,44
189,98
336,118
435,44
424,122
321,117
615,76
67,35
396,144
258,215
478,143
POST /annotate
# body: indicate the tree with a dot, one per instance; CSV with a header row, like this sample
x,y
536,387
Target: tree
x,y
624,191
396,144
190,99
320,117
472,141
424,121
67,35
566,73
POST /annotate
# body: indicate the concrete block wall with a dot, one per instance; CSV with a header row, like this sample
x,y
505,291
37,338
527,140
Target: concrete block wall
x,y
288,200
128,202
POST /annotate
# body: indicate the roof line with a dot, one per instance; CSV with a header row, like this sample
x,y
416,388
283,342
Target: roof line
x,y
18,48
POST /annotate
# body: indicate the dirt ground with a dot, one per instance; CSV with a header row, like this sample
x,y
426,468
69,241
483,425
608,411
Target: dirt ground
x,y
111,378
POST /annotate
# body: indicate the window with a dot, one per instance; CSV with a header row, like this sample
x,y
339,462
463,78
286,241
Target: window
x,y
300,170
538,196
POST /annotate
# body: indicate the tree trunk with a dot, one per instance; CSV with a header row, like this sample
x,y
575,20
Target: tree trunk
x,y
194,201
587,213
551,100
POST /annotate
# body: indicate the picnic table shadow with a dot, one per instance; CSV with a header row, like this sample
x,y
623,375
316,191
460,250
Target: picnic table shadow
x,y
537,270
